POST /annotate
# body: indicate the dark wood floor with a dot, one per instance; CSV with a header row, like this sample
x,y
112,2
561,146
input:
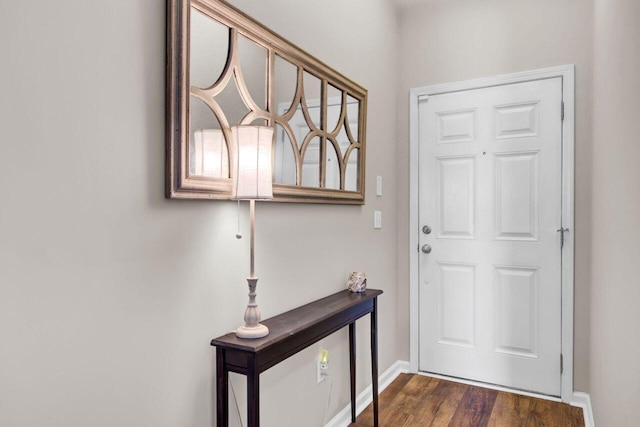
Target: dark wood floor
x,y
416,400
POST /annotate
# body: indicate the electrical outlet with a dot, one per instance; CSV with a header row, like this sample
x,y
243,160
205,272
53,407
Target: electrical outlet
x,y
322,371
323,366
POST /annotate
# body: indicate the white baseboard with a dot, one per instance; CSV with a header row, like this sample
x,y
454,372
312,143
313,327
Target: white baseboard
x,y
343,418
583,400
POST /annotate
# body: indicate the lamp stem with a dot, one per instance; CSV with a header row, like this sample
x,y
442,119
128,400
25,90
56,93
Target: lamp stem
x,y
252,219
252,327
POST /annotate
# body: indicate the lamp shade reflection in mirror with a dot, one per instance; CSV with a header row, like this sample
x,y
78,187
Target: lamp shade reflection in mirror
x,y
209,156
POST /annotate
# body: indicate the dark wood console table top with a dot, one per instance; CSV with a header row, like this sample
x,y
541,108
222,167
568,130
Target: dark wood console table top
x,y
290,333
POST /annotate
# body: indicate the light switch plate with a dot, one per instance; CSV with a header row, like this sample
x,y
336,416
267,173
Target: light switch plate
x,y
377,219
379,186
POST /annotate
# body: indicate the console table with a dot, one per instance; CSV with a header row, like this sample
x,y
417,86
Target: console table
x,y
289,333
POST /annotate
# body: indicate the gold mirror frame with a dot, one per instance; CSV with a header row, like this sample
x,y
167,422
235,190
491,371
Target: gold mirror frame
x,y
181,184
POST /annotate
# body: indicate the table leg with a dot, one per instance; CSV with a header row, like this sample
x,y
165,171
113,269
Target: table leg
x,y
253,393
352,368
222,389
374,360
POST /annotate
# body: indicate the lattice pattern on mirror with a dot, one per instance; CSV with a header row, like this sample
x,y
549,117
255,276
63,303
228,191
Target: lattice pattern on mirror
x,y
225,69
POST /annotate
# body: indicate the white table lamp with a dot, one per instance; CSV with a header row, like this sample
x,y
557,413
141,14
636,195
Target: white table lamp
x,y
252,180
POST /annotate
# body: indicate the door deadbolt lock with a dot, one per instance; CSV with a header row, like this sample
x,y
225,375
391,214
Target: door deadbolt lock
x,y
426,229
426,249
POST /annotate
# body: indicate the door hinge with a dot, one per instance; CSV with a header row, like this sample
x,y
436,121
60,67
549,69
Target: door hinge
x,y
562,230
562,111
561,363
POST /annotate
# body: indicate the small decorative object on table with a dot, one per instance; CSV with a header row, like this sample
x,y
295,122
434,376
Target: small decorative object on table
x,y
357,281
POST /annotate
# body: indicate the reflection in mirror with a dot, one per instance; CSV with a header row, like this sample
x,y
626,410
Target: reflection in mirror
x,y
353,115
334,107
253,63
343,140
351,123
311,164
332,168
312,86
284,171
284,84
209,46
351,174
232,104
259,122
299,127
208,155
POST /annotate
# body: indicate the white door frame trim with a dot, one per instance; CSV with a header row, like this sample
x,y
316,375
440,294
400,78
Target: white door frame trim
x,y
567,73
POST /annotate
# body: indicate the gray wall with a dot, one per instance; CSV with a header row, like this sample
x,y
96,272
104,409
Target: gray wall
x,y
615,317
109,293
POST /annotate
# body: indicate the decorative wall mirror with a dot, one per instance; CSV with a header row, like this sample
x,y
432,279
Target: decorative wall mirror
x,y
226,69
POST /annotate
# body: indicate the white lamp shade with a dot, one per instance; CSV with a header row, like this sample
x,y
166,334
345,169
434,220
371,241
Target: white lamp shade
x,y
252,148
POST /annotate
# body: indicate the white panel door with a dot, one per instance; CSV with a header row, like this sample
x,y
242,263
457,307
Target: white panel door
x,y
490,190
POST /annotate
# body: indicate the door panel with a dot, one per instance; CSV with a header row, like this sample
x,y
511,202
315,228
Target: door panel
x,y
516,195
490,188
516,120
517,310
456,317
456,197
456,126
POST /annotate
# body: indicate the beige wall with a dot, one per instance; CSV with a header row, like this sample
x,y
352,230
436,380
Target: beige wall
x,y
453,40
109,293
615,350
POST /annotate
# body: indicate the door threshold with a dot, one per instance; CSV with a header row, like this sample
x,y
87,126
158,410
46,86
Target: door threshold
x,y
491,386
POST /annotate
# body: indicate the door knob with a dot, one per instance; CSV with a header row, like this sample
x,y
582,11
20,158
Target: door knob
x,y
426,249
426,229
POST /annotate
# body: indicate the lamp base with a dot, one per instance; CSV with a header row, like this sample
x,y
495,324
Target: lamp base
x,y
252,327
252,332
